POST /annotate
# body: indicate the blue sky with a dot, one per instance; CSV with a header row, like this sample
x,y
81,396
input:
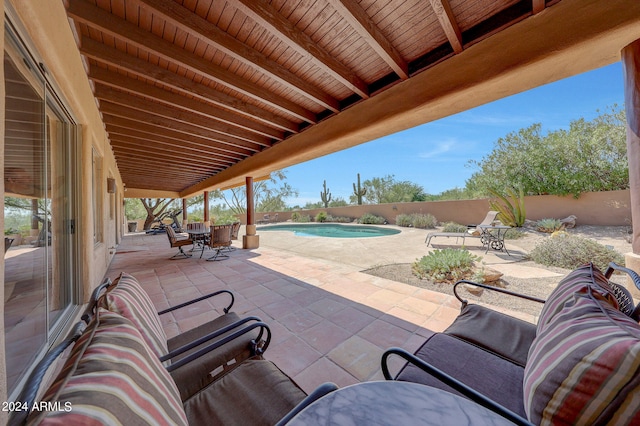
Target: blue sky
x,y
435,155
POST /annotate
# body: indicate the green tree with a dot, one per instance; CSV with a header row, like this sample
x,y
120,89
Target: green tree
x,y
589,156
388,190
154,207
268,195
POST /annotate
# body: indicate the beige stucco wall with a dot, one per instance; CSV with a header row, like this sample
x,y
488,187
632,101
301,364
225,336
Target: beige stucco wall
x,y
594,208
44,26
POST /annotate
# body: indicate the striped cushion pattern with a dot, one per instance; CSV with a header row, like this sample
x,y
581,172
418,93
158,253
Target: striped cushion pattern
x,y
127,297
584,364
112,377
577,280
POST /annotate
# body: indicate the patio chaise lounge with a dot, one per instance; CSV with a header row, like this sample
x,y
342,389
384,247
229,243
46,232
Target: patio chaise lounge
x,y
473,232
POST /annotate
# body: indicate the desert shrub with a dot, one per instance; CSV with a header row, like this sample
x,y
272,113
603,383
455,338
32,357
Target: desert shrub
x,y
454,227
417,220
571,251
403,220
297,217
513,234
549,225
321,217
446,265
423,221
339,219
371,219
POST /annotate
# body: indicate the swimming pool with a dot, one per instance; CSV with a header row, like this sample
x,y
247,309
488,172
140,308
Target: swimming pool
x,y
332,230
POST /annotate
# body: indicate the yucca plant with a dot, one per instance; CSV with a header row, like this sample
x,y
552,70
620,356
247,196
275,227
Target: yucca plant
x,y
510,212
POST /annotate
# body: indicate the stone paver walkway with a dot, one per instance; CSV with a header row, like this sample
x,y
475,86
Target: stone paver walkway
x,y
329,321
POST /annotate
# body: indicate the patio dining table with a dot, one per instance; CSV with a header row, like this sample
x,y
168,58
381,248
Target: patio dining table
x,y
199,237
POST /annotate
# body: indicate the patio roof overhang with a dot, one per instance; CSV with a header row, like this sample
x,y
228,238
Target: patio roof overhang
x,y
198,94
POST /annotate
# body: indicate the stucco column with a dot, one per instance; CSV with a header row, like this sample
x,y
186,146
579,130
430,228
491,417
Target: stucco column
x,y
631,70
250,240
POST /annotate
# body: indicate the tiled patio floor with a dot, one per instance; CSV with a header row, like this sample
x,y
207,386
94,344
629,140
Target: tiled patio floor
x,y
329,321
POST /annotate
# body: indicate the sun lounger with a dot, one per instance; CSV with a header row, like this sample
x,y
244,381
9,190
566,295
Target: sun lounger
x,y
473,231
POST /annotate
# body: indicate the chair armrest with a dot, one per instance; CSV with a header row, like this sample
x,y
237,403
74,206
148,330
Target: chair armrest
x,y
488,287
319,392
625,300
259,349
465,390
90,310
190,302
207,337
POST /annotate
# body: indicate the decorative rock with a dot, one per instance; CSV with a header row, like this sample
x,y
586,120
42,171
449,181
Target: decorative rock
x,y
569,221
475,290
491,275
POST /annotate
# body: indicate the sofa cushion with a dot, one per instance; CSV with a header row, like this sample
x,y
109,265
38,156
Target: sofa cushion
x,y
255,393
127,297
495,377
112,377
584,364
502,334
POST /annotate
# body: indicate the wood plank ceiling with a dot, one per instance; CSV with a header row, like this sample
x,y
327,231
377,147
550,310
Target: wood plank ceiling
x,y
189,88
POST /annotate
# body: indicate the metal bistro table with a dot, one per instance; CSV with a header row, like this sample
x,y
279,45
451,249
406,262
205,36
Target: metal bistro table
x,y
198,236
395,403
492,236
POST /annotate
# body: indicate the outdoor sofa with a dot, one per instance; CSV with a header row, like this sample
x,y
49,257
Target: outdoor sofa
x,y
579,365
121,371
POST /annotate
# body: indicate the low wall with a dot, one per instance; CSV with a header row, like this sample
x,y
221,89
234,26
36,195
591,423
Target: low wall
x,y
593,208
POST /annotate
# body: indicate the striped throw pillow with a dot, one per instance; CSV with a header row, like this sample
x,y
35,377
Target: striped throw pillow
x,y
127,297
112,378
584,364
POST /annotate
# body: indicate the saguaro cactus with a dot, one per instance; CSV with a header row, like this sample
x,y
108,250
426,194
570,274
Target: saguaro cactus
x,y
325,194
359,192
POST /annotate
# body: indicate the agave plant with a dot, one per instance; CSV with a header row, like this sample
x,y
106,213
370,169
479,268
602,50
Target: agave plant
x,y
510,212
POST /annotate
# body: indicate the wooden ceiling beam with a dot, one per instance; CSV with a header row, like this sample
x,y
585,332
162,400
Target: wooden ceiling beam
x,y
119,134
269,18
538,6
140,88
135,36
121,60
443,11
112,95
353,13
166,123
159,165
199,27
156,169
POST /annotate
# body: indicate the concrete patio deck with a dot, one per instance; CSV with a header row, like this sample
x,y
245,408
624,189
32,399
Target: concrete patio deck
x,y
329,320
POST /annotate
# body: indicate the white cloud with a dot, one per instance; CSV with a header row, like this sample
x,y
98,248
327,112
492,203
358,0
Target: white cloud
x,y
439,148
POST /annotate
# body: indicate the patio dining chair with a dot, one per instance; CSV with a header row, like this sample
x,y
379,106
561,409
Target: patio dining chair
x,y
178,242
220,240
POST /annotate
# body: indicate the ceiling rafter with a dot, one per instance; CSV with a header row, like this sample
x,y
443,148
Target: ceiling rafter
x,y
111,79
443,11
138,154
269,18
252,140
201,28
135,36
359,21
232,144
121,60
155,135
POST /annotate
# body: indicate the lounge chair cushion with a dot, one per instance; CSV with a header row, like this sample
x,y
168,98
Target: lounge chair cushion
x,y
127,297
584,364
195,375
491,375
112,377
501,334
255,393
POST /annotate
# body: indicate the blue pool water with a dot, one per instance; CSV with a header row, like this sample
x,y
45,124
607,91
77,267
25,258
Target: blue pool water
x,y
332,230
